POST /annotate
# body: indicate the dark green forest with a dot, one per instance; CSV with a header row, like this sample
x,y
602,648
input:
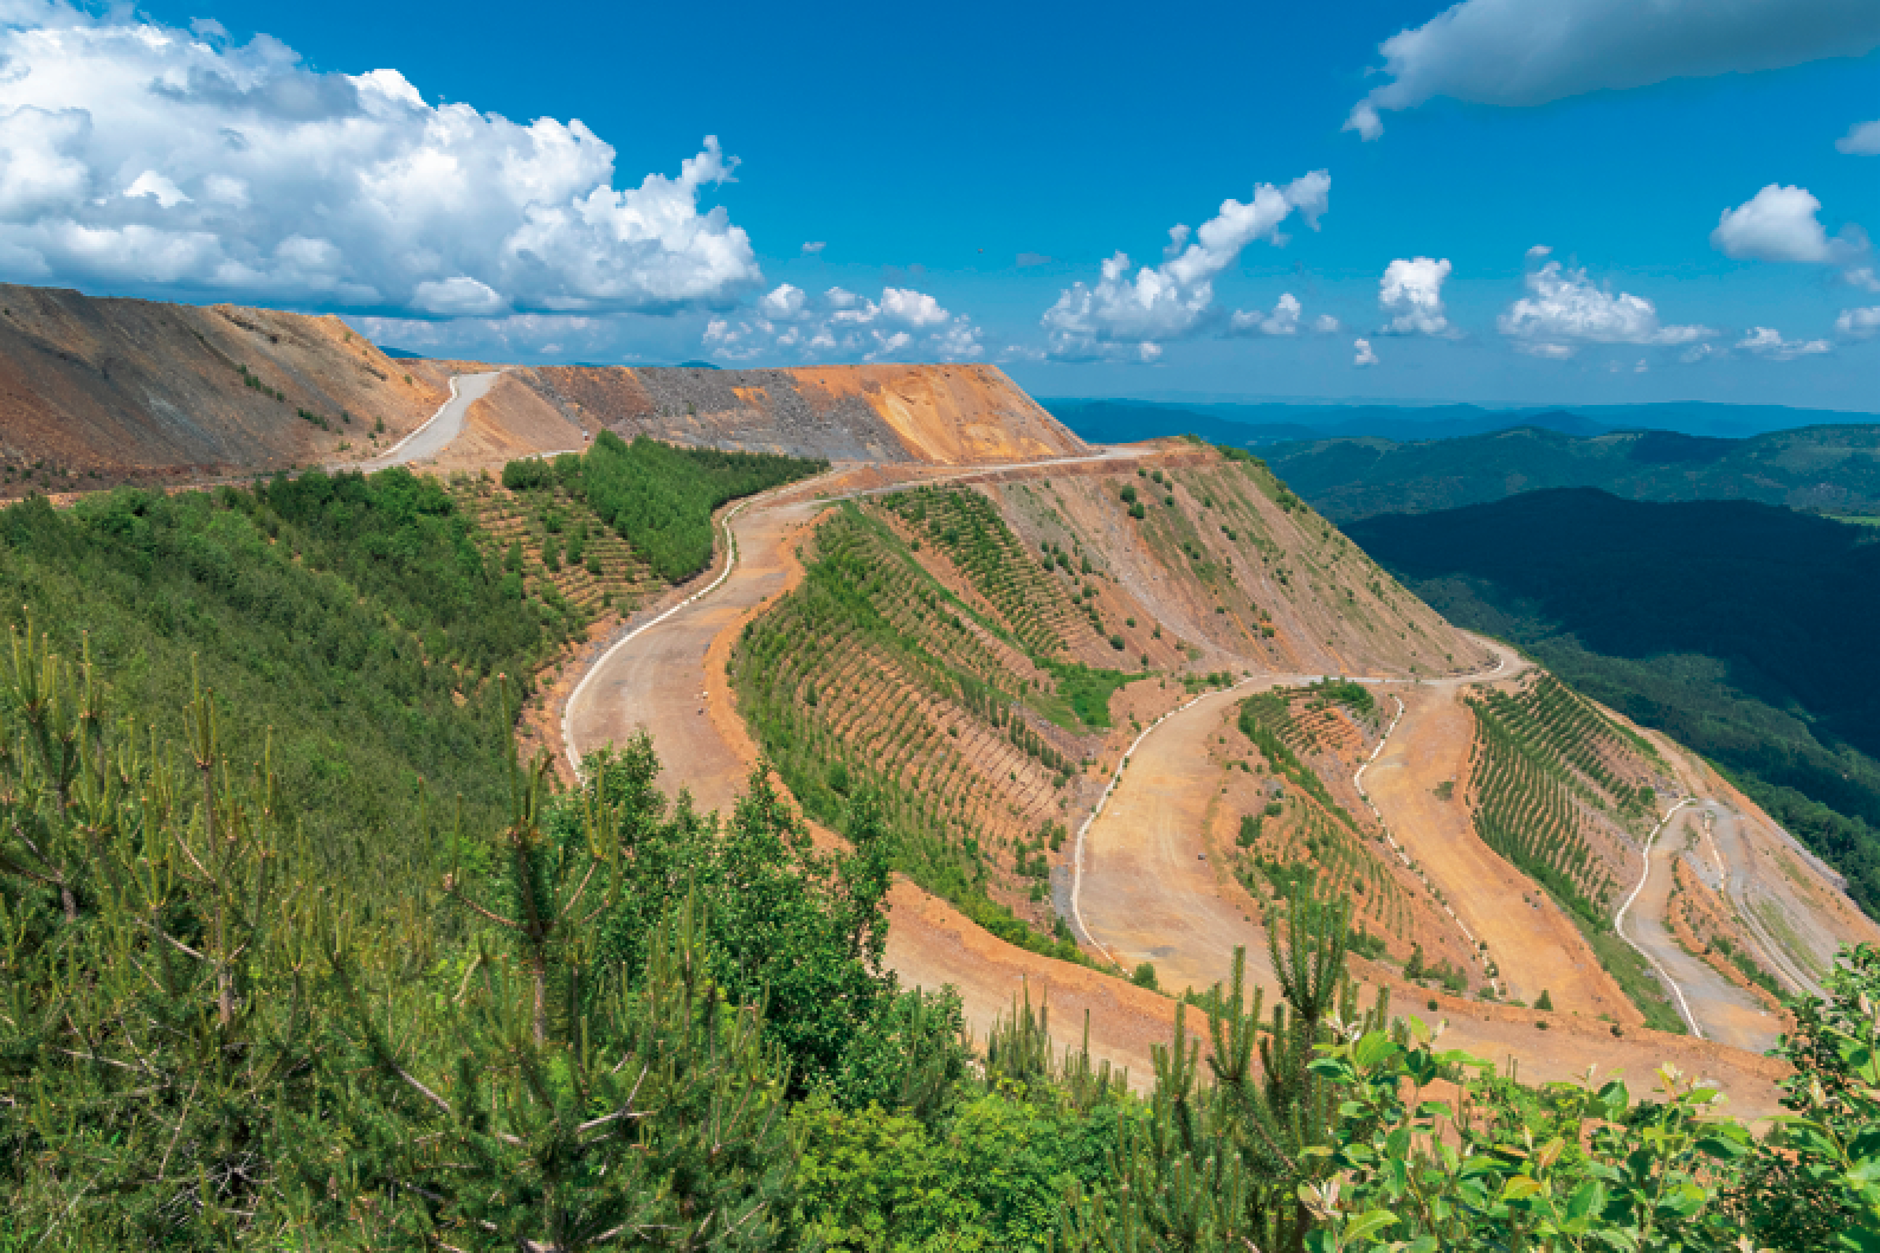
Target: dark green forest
x,y
1818,468
266,981
1744,631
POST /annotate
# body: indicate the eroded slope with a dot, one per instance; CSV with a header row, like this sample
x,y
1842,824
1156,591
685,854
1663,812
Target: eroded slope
x,y
980,657
939,414
98,391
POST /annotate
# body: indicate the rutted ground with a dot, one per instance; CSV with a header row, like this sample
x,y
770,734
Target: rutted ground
x,y
1718,1008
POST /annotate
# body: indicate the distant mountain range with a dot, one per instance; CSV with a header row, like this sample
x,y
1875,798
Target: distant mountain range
x,y
1254,425
1822,469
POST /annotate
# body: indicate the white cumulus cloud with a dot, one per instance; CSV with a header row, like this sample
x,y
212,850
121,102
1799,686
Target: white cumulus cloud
x,y
1779,224
1129,316
1283,320
1564,309
1529,52
1411,291
134,154
1858,323
1862,140
841,325
1766,341
1362,354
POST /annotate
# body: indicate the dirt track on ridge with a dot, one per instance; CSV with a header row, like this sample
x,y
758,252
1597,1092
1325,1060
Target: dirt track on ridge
x,y
669,680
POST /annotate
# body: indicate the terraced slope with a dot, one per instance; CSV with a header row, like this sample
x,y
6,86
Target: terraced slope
x,y
1560,792
556,548
980,656
1295,829
873,675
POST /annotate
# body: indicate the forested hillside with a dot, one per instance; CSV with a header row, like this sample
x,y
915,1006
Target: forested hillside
x,y
1744,631
1832,469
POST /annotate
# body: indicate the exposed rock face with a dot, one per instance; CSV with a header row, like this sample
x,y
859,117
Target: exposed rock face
x,y
141,389
949,414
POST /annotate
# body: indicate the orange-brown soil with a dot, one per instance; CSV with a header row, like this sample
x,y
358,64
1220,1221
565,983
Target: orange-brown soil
x,y
934,414
1536,947
100,391
512,422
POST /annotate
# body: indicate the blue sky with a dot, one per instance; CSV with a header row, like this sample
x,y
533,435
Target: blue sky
x,y
968,172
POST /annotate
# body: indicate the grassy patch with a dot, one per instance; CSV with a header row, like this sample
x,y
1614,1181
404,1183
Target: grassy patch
x,y
1088,691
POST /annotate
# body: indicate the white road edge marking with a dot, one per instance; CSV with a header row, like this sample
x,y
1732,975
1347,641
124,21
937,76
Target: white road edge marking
x,y
1618,921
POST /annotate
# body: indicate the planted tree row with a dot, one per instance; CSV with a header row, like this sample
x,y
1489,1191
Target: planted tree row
x,y
660,497
868,677
967,527
1531,798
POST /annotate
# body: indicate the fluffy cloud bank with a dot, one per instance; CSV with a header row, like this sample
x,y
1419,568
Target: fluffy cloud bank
x,y
138,155
1779,224
1528,52
788,322
1411,291
1564,310
1131,316
1361,352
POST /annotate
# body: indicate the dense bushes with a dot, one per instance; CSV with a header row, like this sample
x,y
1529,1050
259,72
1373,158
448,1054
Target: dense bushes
x,y
355,619
212,1041
660,497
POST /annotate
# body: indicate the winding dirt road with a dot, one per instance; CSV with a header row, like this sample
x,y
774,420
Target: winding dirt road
x,y
444,426
667,677
1712,1006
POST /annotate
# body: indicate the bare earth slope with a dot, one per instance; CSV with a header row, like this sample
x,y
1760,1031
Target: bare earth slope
x,y
939,414
96,391
134,389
